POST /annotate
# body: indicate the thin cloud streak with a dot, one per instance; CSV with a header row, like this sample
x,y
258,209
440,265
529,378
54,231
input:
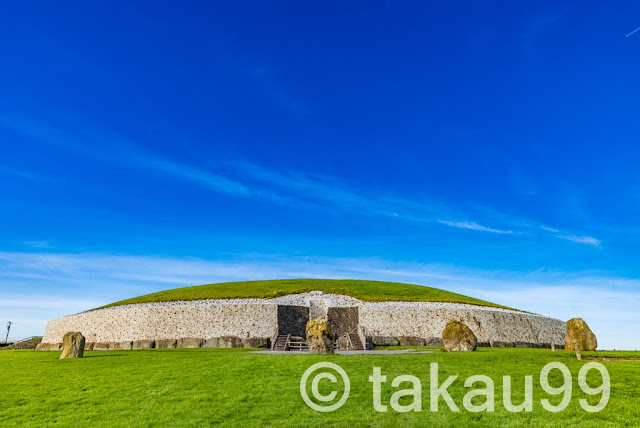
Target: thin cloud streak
x,y
38,244
251,181
24,174
588,240
210,180
474,226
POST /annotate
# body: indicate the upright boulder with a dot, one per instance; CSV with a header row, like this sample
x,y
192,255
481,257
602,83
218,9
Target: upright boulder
x,y
578,332
456,336
72,345
318,337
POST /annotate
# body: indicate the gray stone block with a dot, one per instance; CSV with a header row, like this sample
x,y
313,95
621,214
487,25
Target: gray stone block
x,y
101,346
384,341
433,341
256,342
166,343
411,341
189,342
49,347
223,342
143,344
121,346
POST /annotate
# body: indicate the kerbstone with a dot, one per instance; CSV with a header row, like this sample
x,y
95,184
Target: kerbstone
x,y
225,342
166,343
190,342
101,346
144,344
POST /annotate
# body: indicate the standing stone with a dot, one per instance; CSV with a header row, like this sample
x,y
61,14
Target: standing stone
x,y
578,332
318,338
458,337
318,309
72,345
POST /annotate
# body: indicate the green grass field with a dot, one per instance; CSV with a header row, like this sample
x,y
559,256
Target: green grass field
x,y
370,291
233,387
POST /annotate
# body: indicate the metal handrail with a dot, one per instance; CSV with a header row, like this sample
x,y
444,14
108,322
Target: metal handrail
x,y
28,338
362,337
274,339
349,342
286,346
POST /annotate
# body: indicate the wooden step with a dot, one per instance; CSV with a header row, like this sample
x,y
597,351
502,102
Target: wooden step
x,y
281,343
356,342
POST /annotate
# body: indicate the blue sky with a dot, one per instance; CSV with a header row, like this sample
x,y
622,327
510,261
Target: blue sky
x,y
484,147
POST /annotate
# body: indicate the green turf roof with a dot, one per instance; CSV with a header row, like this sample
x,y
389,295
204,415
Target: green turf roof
x,y
368,291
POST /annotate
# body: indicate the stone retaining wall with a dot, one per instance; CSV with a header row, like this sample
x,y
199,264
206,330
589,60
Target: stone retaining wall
x,y
258,318
426,320
173,321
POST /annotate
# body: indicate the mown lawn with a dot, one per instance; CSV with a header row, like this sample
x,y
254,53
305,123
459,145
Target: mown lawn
x,y
202,387
370,291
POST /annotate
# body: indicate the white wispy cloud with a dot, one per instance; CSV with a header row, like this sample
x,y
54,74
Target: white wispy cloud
x,y
38,244
473,226
24,174
215,182
325,190
579,239
285,187
588,240
83,281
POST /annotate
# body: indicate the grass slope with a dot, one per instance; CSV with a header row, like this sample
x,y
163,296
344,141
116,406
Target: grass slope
x,y
233,387
369,291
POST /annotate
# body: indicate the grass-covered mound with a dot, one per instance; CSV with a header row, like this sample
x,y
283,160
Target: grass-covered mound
x,y
369,291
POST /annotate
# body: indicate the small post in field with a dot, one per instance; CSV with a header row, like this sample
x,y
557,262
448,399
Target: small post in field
x,y
578,353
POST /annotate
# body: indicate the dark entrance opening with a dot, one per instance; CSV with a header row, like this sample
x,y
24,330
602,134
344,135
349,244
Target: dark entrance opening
x,y
292,320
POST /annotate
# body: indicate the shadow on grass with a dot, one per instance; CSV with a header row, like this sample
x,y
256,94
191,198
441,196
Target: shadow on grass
x,y
102,356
